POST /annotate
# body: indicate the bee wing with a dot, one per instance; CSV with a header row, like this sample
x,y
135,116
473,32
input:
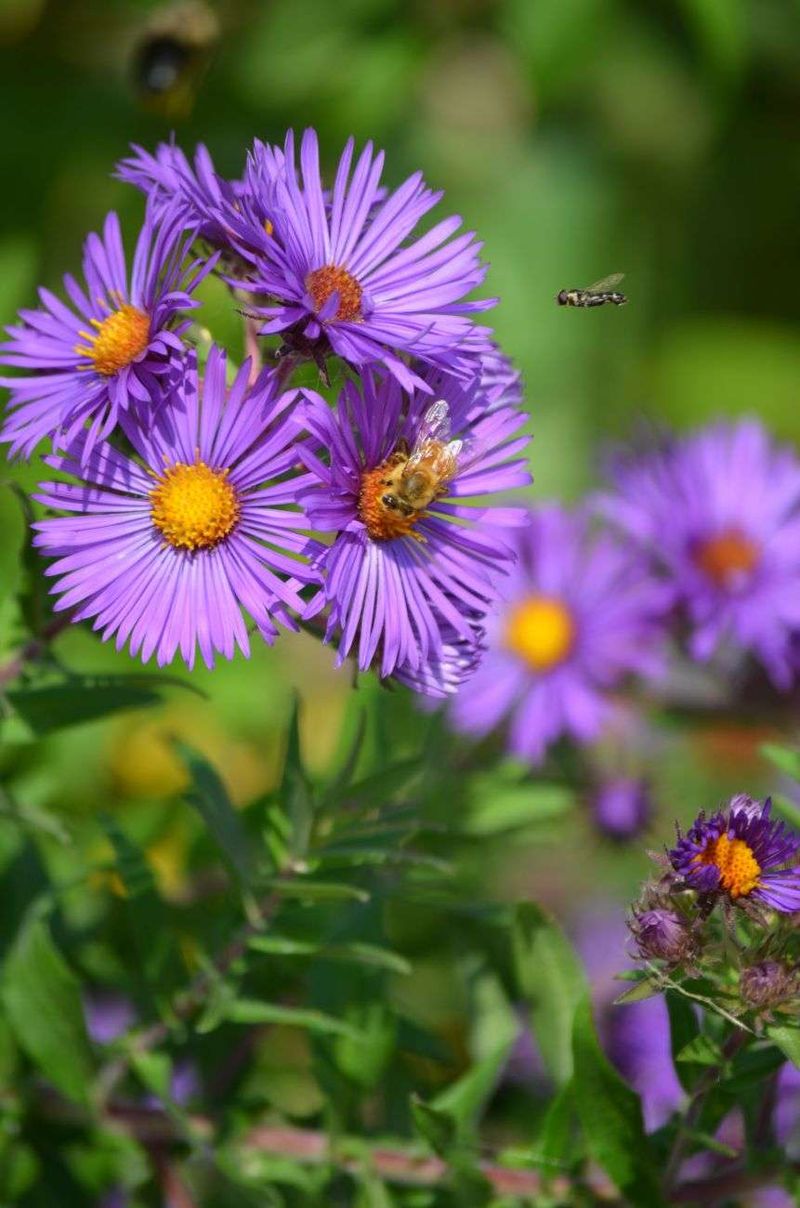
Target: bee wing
x,y
606,285
436,423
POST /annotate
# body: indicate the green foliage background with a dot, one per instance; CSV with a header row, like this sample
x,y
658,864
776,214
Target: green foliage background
x,y
579,137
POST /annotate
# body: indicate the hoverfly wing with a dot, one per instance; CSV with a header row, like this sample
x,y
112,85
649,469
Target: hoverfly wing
x,y
606,285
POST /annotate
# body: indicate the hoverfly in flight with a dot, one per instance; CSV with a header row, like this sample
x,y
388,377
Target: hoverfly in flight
x,y
594,295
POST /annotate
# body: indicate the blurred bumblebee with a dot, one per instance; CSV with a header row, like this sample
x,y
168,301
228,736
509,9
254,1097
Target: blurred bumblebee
x,y
594,295
416,477
171,54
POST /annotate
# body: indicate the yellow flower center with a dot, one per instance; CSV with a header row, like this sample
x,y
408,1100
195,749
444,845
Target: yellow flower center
x,y
120,338
727,558
739,870
541,630
329,279
194,506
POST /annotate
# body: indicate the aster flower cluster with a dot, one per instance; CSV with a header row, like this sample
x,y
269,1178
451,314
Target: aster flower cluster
x,y
723,907
693,546
193,491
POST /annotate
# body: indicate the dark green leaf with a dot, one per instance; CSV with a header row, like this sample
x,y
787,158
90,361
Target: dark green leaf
x,y
684,1028
611,1117
210,798
81,699
42,999
12,534
295,793
435,1126
551,981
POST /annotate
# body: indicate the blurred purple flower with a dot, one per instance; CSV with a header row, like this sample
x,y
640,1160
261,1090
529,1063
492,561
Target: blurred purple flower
x,y
107,1014
409,591
579,614
622,806
166,551
740,852
346,275
719,512
114,351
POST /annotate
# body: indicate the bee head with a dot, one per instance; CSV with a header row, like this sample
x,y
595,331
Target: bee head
x,y
390,502
561,297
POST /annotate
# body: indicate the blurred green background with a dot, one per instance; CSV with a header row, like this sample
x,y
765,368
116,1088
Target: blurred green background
x,y
580,138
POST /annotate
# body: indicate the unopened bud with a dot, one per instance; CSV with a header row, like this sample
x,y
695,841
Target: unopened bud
x,y
662,935
767,984
622,807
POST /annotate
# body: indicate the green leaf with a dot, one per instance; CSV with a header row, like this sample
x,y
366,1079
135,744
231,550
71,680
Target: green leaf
x,y
253,1011
134,871
42,999
154,1070
466,1099
12,535
611,1117
788,1041
317,891
701,1050
209,797
502,804
435,1126
551,982
785,759
556,1137
684,1028
720,27
356,953
643,987
295,793
80,699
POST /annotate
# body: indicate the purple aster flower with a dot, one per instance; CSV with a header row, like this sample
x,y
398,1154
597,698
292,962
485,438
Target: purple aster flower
x,y
720,513
165,549
741,852
622,806
346,277
113,349
232,215
579,614
413,566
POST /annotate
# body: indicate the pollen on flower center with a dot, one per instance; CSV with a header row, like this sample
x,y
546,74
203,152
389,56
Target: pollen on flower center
x,y
120,339
739,870
194,506
329,279
728,558
384,520
541,630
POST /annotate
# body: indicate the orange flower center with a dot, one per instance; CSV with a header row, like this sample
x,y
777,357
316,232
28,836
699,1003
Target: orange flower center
x,y
119,339
384,521
332,279
739,870
727,558
194,506
541,630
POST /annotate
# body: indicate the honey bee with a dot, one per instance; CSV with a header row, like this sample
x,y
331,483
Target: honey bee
x,y
418,476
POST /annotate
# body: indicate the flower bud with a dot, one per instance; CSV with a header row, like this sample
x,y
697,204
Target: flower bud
x,y
662,935
767,984
621,807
